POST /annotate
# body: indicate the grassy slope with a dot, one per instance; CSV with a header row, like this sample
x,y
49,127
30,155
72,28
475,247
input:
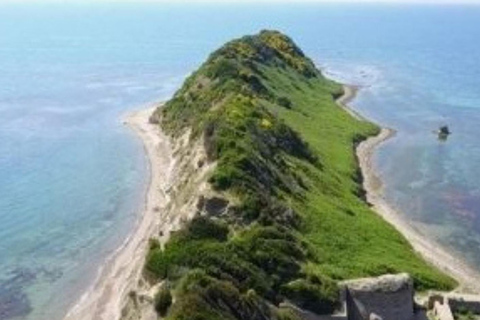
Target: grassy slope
x,y
285,152
351,240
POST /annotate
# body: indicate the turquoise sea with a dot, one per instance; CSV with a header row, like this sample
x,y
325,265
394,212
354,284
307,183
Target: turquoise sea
x,y
72,177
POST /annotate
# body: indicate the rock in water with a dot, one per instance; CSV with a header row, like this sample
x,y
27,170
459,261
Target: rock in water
x,y
443,132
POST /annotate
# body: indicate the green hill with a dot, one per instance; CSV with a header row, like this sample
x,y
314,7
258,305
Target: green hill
x,y
298,223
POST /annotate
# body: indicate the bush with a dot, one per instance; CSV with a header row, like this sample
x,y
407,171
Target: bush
x,y
284,102
153,244
201,296
206,228
321,297
157,263
287,314
163,300
193,307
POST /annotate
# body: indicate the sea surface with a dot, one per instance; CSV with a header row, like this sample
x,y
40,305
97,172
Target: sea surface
x,y
72,176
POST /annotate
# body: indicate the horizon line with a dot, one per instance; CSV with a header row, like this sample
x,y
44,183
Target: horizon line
x,y
227,2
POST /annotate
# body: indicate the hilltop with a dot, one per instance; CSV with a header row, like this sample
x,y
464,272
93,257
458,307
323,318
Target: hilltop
x,y
270,190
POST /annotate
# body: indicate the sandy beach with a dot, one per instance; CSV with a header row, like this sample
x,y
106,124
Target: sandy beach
x,y
468,279
122,271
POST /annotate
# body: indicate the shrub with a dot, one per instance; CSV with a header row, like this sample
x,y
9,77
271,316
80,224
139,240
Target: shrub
x,y
206,228
284,102
157,263
163,300
205,297
320,297
287,314
193,307
153,244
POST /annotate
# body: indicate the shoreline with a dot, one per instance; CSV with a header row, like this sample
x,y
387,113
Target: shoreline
x,y
121,272
441,258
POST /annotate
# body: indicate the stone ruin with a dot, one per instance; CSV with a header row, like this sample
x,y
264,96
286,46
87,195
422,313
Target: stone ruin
x,y
389,297
444,305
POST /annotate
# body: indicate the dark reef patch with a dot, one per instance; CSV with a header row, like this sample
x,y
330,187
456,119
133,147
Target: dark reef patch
x,y
14,301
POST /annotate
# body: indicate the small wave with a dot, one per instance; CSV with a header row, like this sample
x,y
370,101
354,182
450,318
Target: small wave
x,y
357,74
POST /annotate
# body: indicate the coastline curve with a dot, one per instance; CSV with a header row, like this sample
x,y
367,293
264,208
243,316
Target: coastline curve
x,y
121,272
432,252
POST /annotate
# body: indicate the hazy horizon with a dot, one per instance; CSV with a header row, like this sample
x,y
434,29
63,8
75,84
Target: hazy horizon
x,y
431,2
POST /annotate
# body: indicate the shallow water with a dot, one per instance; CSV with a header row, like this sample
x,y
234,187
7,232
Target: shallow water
x,y
72,176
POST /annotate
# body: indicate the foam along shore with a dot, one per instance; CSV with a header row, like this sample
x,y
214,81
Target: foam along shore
x,y
468,279
122,271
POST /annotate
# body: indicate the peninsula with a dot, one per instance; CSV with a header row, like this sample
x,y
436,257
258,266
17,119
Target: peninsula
x,y
256,199
274,200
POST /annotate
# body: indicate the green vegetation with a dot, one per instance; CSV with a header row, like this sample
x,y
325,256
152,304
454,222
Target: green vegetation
x,y
464,314
285,152
163,300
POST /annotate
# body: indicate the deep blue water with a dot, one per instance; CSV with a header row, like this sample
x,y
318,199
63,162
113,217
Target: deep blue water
x,y
72,177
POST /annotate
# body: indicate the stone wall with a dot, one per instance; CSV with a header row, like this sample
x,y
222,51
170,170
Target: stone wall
x,y
388,297
465,302
353,310
444,305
